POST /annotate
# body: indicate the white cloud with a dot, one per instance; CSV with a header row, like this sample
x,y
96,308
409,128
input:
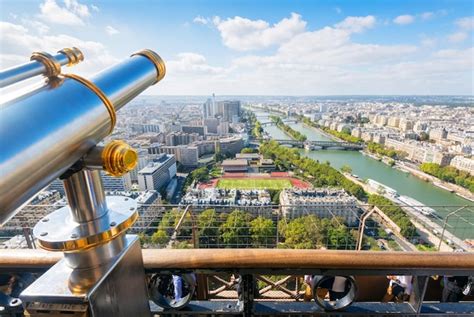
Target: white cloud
x,y
111,30
357,24
326,61
404,19
18,42
466,23
427,15
323,61
457,37
72,13
191,63
79,9
40,27
243,34
201,20
95,8
428,41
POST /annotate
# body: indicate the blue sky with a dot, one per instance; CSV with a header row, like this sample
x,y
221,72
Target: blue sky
x,y
260,47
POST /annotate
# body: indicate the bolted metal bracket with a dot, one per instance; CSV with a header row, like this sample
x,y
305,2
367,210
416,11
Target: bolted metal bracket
x,y
60,232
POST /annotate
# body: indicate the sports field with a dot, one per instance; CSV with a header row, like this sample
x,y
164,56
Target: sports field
x,y
254,183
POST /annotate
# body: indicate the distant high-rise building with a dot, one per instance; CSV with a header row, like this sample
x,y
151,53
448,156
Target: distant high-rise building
x,y
112,183
179,138
207,109
189,155
230,110
223,128
231,145
211,124
199,129
157,173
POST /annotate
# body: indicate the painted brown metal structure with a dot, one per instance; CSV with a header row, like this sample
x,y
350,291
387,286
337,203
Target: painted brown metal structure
x,y
192,259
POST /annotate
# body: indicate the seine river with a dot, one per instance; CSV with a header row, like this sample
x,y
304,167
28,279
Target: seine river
x,y
366,167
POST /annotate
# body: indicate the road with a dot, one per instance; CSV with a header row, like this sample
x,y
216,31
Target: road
x,y
179,188
424,224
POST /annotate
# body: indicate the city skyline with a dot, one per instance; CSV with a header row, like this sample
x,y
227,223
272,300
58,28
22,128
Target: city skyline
x,y
302,48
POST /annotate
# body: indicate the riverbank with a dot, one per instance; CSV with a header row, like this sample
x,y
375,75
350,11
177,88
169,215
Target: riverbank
x,y
402,166
449,187
460,191
295,135
425,233
328,135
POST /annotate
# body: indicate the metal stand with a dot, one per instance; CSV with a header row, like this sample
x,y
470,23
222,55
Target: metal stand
x,y
102,272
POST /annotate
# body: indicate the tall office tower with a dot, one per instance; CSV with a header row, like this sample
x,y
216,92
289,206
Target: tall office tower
x,y
157,173
213,106
207,109
230,110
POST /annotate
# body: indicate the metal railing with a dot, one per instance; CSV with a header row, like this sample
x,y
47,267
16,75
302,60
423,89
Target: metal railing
x,y
216,291
338,226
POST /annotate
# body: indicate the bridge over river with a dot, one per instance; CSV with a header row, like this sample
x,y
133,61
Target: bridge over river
x,y
322,145
285,121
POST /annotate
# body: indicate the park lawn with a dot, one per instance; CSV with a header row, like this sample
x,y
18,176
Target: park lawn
x,y
253,183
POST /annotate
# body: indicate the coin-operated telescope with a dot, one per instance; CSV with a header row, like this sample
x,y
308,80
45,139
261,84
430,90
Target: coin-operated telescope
x,y
50,131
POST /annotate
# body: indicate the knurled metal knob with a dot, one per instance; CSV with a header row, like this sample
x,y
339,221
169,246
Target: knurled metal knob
x,y
119,158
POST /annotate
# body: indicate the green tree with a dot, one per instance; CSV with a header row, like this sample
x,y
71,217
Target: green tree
x,y
302,233
449,174
262,231
200,174
208,224
346,169
424,136
339,237
235,230
160,237
248,150
396,213
275,196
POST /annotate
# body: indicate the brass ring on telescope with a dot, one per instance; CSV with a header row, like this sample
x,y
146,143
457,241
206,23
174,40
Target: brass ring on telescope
x,y
73,54
53,68
85,243
108,104
156,60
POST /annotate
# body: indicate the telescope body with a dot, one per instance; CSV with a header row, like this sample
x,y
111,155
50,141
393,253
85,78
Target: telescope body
x,y
41,63
45,131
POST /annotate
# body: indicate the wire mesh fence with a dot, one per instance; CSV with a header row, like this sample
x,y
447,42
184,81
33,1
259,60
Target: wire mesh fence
x,y
323,226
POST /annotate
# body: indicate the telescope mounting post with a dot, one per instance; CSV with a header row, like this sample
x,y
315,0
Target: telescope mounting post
x,y
101,265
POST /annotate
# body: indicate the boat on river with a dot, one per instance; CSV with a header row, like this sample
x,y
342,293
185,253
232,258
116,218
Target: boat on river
x,y
417,206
